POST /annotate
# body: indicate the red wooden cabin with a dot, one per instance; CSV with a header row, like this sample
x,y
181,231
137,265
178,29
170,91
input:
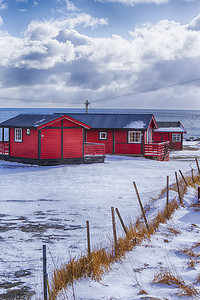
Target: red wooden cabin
x,y
172,132
81,138
48,139
130,134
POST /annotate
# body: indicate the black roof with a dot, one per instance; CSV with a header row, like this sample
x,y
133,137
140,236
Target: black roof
x,y
112,121
169,124
100,121
29,120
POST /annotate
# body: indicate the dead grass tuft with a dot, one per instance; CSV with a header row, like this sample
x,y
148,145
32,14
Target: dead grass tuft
x,y
174,230
142,292
175,280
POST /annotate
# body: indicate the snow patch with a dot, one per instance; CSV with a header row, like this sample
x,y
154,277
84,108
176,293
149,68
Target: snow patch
x,y
169,129
136,125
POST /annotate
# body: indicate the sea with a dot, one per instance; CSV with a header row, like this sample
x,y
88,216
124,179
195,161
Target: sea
x,y
190,119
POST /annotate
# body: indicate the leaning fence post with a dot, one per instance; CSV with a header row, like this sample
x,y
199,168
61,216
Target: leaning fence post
x,y
121,220
183,178
197,165
179,195
114,230
88,240
45,271
167,197
142,209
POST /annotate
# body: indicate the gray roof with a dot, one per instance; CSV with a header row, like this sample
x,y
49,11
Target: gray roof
x,y
100,121
170,127
29,120
112,121
169,124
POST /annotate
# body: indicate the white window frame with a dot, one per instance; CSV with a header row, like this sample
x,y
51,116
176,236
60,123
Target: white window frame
x,y
18,135
103,133
176,137
134,137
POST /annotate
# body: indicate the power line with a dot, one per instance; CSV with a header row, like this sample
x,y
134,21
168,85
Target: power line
x,y
103,99
36,100
146,91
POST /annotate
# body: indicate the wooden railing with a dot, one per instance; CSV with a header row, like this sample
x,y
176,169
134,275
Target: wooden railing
x,y
93,149
4,148
160,151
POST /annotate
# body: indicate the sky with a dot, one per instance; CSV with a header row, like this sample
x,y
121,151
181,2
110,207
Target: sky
x,y
116,54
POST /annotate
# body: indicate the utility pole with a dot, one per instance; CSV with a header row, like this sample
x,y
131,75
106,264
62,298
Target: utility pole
x,y
87,103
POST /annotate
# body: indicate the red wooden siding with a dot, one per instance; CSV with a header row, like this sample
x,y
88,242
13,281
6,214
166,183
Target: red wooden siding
x,y
167,136
50,143
123,147
93,137
56,124
67,123
121,144
72,142
28,147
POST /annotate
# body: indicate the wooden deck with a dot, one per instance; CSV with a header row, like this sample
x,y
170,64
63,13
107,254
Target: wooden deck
x,y
159,151
93,149
4,148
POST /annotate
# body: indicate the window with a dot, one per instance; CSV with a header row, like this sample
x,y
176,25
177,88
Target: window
x,y
134,137
176,137
103,135
18,135
28,131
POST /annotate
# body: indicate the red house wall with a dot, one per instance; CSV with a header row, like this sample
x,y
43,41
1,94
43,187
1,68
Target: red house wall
x,y
167,136
28,147
55,124
123,147
72,142
50,143
121,142
93,137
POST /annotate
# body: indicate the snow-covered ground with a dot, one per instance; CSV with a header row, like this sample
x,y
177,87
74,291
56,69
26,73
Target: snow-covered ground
x,y
167,251
50,205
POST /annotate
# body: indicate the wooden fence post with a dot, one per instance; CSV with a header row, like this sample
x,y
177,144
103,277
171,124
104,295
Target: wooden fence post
x,y
121,220
193,175
167,197
183,178
88,240
45,271
114,230
197,165
142,209
198,190
179,195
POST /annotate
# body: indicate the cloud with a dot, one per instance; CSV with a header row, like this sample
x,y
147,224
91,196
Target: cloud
x,y
134,2
1,21
84,20
3,4
54,58
71,6
194,24
22,10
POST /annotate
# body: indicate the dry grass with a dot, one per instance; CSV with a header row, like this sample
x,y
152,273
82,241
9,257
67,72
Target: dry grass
x,y
102,259
173,230
168,277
